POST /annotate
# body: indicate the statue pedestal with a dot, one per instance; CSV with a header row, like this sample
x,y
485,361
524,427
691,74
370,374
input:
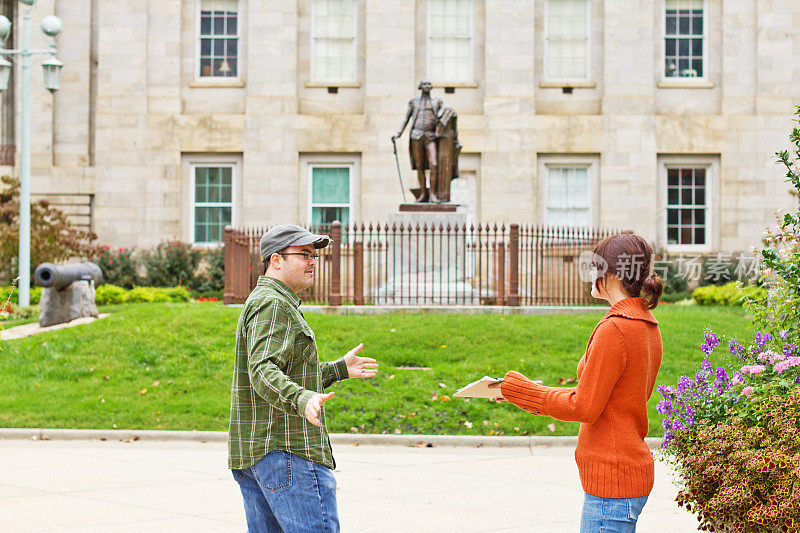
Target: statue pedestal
x,y
428,208
429,265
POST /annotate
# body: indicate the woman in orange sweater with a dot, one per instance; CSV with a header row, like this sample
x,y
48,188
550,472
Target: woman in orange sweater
x,y
616,377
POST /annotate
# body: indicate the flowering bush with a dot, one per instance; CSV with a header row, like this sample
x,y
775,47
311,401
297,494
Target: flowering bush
x,y
732,431
725,427
119,266
53,238
171,263
780,309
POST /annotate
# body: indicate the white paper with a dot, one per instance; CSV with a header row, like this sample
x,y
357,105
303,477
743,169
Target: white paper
x,y
480,389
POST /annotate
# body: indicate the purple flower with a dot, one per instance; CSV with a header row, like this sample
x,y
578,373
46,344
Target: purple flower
x,y
711,342
762,339
784,334
735,348
665,407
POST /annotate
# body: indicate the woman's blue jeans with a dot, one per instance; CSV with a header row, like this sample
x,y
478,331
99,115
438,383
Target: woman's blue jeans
x,y
286,493
611,515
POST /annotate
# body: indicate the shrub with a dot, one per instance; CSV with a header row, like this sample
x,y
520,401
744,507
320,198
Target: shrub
x,y
734,438
10,293
672,278
725,427
147,294
119,266
778,310
110,294
11,311
673,297
170,264
177,294
732,293
53,239
212,279
719,269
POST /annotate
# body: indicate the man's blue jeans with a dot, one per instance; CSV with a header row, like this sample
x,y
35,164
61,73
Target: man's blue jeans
x,y
611,515
284,492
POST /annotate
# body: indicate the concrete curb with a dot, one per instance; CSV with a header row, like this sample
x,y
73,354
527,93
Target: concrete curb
x,y
474,441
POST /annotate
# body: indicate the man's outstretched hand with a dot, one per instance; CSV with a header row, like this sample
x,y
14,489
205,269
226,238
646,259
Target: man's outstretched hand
x,y
360,367
314,406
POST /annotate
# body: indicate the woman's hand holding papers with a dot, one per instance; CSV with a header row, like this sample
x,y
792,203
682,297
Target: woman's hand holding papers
x,y
497,386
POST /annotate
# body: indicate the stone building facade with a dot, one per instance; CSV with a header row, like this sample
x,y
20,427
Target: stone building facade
x,y
179,116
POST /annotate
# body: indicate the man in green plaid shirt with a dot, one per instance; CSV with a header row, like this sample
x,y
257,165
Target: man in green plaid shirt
x,y
278,447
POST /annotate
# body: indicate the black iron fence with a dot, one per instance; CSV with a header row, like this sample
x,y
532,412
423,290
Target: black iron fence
x,y
430,264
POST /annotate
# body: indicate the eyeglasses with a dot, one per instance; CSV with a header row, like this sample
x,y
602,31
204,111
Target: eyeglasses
x,y
307,255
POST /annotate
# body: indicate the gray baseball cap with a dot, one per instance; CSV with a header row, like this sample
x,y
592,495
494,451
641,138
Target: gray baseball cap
x,y
285,235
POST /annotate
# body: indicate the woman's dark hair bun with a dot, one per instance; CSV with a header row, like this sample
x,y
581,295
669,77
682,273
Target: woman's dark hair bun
x,y
652,287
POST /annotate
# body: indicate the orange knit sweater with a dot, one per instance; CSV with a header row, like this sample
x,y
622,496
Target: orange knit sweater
x,y
616,377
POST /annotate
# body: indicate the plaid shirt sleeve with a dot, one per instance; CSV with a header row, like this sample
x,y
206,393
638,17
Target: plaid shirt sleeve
x,y
332,372
270,341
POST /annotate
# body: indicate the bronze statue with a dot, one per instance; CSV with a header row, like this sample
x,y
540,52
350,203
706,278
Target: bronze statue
x,y
433,144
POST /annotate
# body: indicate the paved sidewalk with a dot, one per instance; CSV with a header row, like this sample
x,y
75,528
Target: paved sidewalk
x,y
110,486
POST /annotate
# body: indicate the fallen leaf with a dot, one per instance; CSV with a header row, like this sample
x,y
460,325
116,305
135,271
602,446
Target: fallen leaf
x,y
391,376
516,429
135,438
106,378
485,422
562,380
169,382
45,437
444,398
443,346
158,412
143,391
156,383
468,424
442,385
354,429
91,369
570,380
551,427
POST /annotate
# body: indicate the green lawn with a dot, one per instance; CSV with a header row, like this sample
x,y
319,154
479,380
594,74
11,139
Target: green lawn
x,y
153,366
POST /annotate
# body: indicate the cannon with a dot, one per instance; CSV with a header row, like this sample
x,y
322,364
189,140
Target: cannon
x,y
64,298
62,276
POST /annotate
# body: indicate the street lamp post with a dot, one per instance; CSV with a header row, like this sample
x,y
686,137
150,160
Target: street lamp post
x,y
51,26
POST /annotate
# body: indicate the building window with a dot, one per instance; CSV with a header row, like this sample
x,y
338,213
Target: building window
x,y
687,206
567,40
212,207
567,196
683,39
333,40
219,39
450,54
331,197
